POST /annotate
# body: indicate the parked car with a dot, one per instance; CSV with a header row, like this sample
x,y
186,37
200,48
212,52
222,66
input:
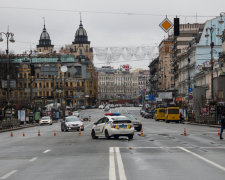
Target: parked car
x,y
101,107
76,113
107,108
72,123
45,120
148,115
137,124
86,118
83,107
113,125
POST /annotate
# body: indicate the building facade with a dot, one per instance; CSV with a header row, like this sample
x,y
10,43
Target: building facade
x,y
116,86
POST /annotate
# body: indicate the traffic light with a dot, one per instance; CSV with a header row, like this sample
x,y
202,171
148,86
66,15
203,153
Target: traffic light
x,y
176,26
32,70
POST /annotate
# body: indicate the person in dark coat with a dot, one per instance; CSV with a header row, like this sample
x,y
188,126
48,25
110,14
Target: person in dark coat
x,y
222,122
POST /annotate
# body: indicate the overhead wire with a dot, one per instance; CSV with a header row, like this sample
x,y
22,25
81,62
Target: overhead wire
x,y
103,12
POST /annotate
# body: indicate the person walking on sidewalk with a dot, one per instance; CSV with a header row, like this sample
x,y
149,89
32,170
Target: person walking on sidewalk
x,y
222,122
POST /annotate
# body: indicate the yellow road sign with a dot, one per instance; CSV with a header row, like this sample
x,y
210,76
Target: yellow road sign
x,y
166,24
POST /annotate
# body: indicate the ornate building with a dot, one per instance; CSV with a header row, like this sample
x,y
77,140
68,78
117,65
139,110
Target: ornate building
x,y
45,45
41,80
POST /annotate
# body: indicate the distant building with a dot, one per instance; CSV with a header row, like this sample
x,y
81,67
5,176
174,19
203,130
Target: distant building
x,y
116,86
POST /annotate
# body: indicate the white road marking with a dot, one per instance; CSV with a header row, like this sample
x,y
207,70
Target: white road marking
x,y
120,164
112,171
33,159
8,174
48,150
204,159
164,147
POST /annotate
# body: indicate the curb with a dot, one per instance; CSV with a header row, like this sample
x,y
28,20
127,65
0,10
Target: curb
x,y
198,124
19,127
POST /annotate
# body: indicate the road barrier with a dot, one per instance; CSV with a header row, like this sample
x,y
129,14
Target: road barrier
x,y
23,134
142,134
185,133
54,133
11,134
80,131
39,133
218,132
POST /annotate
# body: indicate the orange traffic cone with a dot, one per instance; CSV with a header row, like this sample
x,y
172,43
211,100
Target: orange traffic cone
x,y
185,134
11,134
54,133
142,134
39,134
23,134
218,132
80,131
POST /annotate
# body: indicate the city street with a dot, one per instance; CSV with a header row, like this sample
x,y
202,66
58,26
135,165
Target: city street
x,y
163,153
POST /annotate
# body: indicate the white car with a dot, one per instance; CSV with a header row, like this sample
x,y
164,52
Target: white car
x,y
113,125
76,113
72,123
101,107
45,120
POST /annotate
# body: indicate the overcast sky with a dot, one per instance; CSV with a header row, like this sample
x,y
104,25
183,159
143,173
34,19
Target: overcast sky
x,y
115,27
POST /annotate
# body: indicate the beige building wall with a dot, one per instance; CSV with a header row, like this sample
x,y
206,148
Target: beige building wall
x,y
45,50
165,75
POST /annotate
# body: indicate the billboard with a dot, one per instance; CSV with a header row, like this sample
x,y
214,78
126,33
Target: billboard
x,y
125,67
165,95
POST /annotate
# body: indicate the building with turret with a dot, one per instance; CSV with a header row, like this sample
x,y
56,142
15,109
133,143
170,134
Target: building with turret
x,y
45,45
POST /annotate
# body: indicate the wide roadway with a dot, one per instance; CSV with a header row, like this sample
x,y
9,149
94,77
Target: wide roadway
x,y
163,153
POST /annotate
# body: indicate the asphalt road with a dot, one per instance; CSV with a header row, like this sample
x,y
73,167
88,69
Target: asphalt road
x,y
163,153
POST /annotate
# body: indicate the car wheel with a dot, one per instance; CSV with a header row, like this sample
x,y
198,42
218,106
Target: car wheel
x,y
130,136
93,135
116,136
167,121
107,134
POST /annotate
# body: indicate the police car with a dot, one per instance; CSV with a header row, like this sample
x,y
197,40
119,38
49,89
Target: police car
x,y
113,125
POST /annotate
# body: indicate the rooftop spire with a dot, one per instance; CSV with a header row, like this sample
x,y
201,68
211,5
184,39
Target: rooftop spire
x,y
80,20
44,23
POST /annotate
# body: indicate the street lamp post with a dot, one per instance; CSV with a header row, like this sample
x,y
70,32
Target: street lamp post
x,y
9,37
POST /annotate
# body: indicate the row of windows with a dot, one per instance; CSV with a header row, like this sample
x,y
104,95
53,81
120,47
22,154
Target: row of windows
x,y
50,85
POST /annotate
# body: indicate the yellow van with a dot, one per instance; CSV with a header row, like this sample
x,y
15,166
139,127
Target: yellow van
x,y
160,114
172,114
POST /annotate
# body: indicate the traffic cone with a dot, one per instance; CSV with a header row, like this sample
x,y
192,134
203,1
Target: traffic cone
x,y
218,132
23,134
11,134
54,133
39,134
80,131
185,134
142,134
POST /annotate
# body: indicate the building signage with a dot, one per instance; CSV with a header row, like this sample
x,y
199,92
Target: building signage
x,y
125,67
165,95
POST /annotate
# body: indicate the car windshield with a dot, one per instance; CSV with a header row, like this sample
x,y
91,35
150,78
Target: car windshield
x,y
72,119
45,118
130,116
173,111
162,110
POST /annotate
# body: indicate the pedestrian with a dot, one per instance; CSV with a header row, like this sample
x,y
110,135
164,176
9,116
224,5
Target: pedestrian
x,y
222,122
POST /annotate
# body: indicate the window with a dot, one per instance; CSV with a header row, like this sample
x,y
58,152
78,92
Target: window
x,y
80,51
86,48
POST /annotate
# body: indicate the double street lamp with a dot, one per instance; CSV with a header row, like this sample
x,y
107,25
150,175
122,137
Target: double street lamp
x,y
9,38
